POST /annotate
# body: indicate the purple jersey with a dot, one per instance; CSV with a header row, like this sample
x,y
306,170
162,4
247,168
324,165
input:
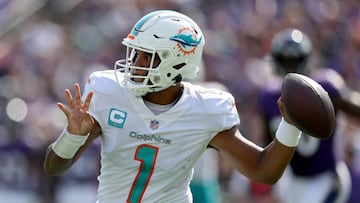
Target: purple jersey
x,y
312,156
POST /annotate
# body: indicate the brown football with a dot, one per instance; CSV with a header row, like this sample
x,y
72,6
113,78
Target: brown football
x,y
308,105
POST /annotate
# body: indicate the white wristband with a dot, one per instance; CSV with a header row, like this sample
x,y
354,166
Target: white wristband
x,y
68,144
288,134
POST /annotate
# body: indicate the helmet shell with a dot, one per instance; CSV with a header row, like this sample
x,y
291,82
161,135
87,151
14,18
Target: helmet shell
x,y
175,38
290,50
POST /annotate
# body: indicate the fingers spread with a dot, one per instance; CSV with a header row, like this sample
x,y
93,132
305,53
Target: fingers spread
x,y
88,100
63,108
76,105
77,93
69,97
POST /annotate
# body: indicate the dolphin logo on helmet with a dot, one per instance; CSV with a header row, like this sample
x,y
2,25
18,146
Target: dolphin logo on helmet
x,y
187,43
186,40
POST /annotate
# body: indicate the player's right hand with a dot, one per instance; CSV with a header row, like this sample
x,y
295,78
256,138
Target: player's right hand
x,y
281,107
77,113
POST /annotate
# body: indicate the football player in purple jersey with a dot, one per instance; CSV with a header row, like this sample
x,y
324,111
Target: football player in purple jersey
x,y
316,174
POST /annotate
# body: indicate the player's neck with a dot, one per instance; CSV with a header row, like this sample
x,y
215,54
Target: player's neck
x,y
166,96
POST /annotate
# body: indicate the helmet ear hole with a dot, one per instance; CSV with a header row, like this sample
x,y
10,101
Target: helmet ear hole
x,y
178,66
178,78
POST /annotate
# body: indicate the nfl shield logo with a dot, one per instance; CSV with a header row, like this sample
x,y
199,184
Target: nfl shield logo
x,y
154,124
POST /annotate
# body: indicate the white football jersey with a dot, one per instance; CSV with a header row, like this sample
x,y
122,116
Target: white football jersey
x,y
147,157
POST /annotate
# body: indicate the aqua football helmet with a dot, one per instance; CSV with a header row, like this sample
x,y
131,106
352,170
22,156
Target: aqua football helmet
x,y
173,37
290,50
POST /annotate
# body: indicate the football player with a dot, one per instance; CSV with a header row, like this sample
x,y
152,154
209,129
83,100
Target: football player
x,y
315,174
153,126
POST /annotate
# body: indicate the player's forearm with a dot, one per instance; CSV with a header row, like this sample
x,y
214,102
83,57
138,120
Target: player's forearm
x,y
278,153
55,165
63,152
273,161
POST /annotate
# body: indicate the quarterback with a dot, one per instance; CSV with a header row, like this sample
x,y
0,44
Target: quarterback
x,y
154,126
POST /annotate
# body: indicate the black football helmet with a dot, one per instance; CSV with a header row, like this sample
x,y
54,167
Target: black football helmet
x,y
290,50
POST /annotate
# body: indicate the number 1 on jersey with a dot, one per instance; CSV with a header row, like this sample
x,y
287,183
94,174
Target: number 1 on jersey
x,y
146,154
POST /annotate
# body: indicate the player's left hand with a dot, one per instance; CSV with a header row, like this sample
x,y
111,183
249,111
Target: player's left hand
x,y
80,122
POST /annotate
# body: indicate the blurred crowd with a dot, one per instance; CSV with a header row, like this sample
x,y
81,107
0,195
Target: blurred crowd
x,y
48,45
